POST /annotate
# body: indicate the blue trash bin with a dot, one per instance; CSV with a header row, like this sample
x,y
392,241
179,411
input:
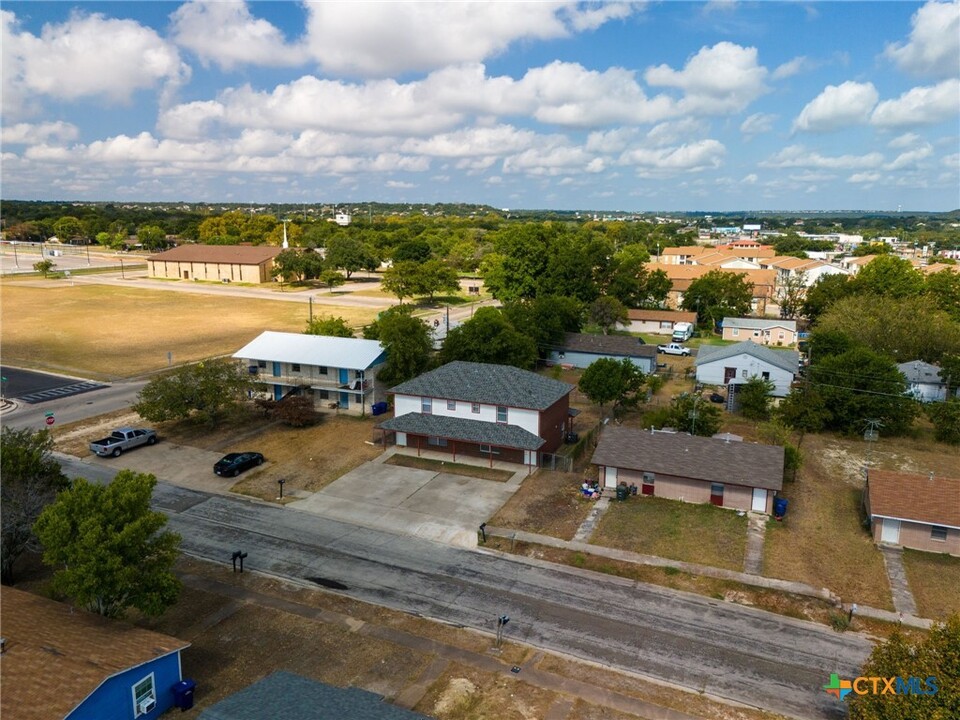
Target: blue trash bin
x,y
183,694
779,507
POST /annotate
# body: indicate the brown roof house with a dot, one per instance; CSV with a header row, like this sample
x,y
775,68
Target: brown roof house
x,y
217,263
579,350
678,466
59,662
915,511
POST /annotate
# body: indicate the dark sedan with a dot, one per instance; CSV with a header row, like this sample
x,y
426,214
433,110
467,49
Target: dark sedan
x,y
235,463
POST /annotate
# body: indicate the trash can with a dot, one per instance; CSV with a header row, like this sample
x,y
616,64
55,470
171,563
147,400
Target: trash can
x,y
183,694
379,408
779,507
623,492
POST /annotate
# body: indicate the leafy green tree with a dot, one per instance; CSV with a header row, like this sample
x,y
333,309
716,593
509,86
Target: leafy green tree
x,y
31,481
408,345
804,410
545,319
488,337
111,240
402,279
944,288
790,294
43,266
519,259
889,276
945,417
860,385
824,293
350,255
331,326
413,250
717,295
934,655
612,381
754,398
871,249
332,279
909,328
827,343
207,390
692,414
435,276
607,312
67,228
109,548
152,237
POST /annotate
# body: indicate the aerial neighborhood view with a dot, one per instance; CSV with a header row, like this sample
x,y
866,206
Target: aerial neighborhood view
x,y
480,361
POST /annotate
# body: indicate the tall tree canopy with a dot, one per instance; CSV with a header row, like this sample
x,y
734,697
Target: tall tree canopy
x,y
109,549
717,295
612,381
489,337
407,342
208,390
330,326
889,276
824,293
31,480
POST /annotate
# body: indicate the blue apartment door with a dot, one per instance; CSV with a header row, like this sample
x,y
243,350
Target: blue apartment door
x,y
277,392
344,397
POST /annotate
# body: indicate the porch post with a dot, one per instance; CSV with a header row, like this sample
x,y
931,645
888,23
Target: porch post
x,y
419,438
453,444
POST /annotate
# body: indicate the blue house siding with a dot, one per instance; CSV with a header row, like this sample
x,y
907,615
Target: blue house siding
x,y
113,698
582,360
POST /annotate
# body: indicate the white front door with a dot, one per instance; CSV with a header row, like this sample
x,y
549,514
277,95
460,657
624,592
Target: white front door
x,y
610,477
890,532
759,500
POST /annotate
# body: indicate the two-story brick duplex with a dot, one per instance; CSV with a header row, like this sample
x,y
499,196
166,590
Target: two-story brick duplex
x,y
493,411
335,372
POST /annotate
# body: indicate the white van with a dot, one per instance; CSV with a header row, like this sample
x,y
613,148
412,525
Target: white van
x,y
682,331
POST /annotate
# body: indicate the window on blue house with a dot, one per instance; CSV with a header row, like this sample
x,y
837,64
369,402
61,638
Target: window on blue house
x,y
144,696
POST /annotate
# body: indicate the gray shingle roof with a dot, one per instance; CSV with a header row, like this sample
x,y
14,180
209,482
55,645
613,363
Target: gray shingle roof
x,y
485,383
613,345
700,458
785,359
918,371
474,431
285,696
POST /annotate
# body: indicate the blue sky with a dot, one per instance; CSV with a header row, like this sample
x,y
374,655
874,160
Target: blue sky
x,y
621,106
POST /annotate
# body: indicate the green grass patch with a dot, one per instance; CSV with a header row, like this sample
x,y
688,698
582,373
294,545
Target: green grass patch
x,y
688,532
449,467
935,583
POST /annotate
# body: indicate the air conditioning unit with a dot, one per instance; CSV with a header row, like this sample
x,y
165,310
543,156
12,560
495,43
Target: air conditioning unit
x,y
146,705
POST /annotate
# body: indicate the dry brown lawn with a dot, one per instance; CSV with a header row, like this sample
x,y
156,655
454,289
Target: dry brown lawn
x,y
688,532
548,503
308,459
465,693
108,332
822,540
935,582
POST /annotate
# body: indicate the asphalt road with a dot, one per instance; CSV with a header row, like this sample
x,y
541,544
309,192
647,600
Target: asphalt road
x,y
75,407
725,650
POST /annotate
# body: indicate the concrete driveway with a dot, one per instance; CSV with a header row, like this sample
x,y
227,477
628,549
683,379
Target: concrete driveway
x,y
432,505
181,465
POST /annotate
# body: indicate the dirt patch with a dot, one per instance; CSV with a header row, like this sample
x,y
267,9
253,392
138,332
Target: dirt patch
x,y
549,503
75,438
464,693
449,467
308,459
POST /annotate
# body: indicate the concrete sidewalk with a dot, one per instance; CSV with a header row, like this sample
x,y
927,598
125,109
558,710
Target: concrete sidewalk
x,y
788,586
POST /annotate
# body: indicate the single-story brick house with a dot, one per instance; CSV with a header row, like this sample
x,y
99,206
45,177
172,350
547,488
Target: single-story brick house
x,y
579,350
658,322
219,263
914,511
60,662
283,695
763,331
338,373
493,411
678,466
736,364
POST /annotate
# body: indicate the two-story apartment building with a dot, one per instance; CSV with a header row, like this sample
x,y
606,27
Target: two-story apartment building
x,y
338,373
494,411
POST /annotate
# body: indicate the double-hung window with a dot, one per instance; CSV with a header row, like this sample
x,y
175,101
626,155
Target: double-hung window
x,y
144,696
426,405
501,414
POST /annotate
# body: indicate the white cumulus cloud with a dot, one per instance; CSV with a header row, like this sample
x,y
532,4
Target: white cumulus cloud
x,y
838,106
690,157
227,34
934,45
30,134
721,79
758,124
919,106
799,156
910,158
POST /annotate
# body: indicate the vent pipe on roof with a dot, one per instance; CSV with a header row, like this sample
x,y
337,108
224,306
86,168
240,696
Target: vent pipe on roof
x,y
931,476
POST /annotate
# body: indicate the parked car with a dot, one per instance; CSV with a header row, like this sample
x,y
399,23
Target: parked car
x,y
233,464
717,398
123,439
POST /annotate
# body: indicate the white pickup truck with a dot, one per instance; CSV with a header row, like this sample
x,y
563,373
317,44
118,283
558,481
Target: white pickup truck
x,y
673,349
123,439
